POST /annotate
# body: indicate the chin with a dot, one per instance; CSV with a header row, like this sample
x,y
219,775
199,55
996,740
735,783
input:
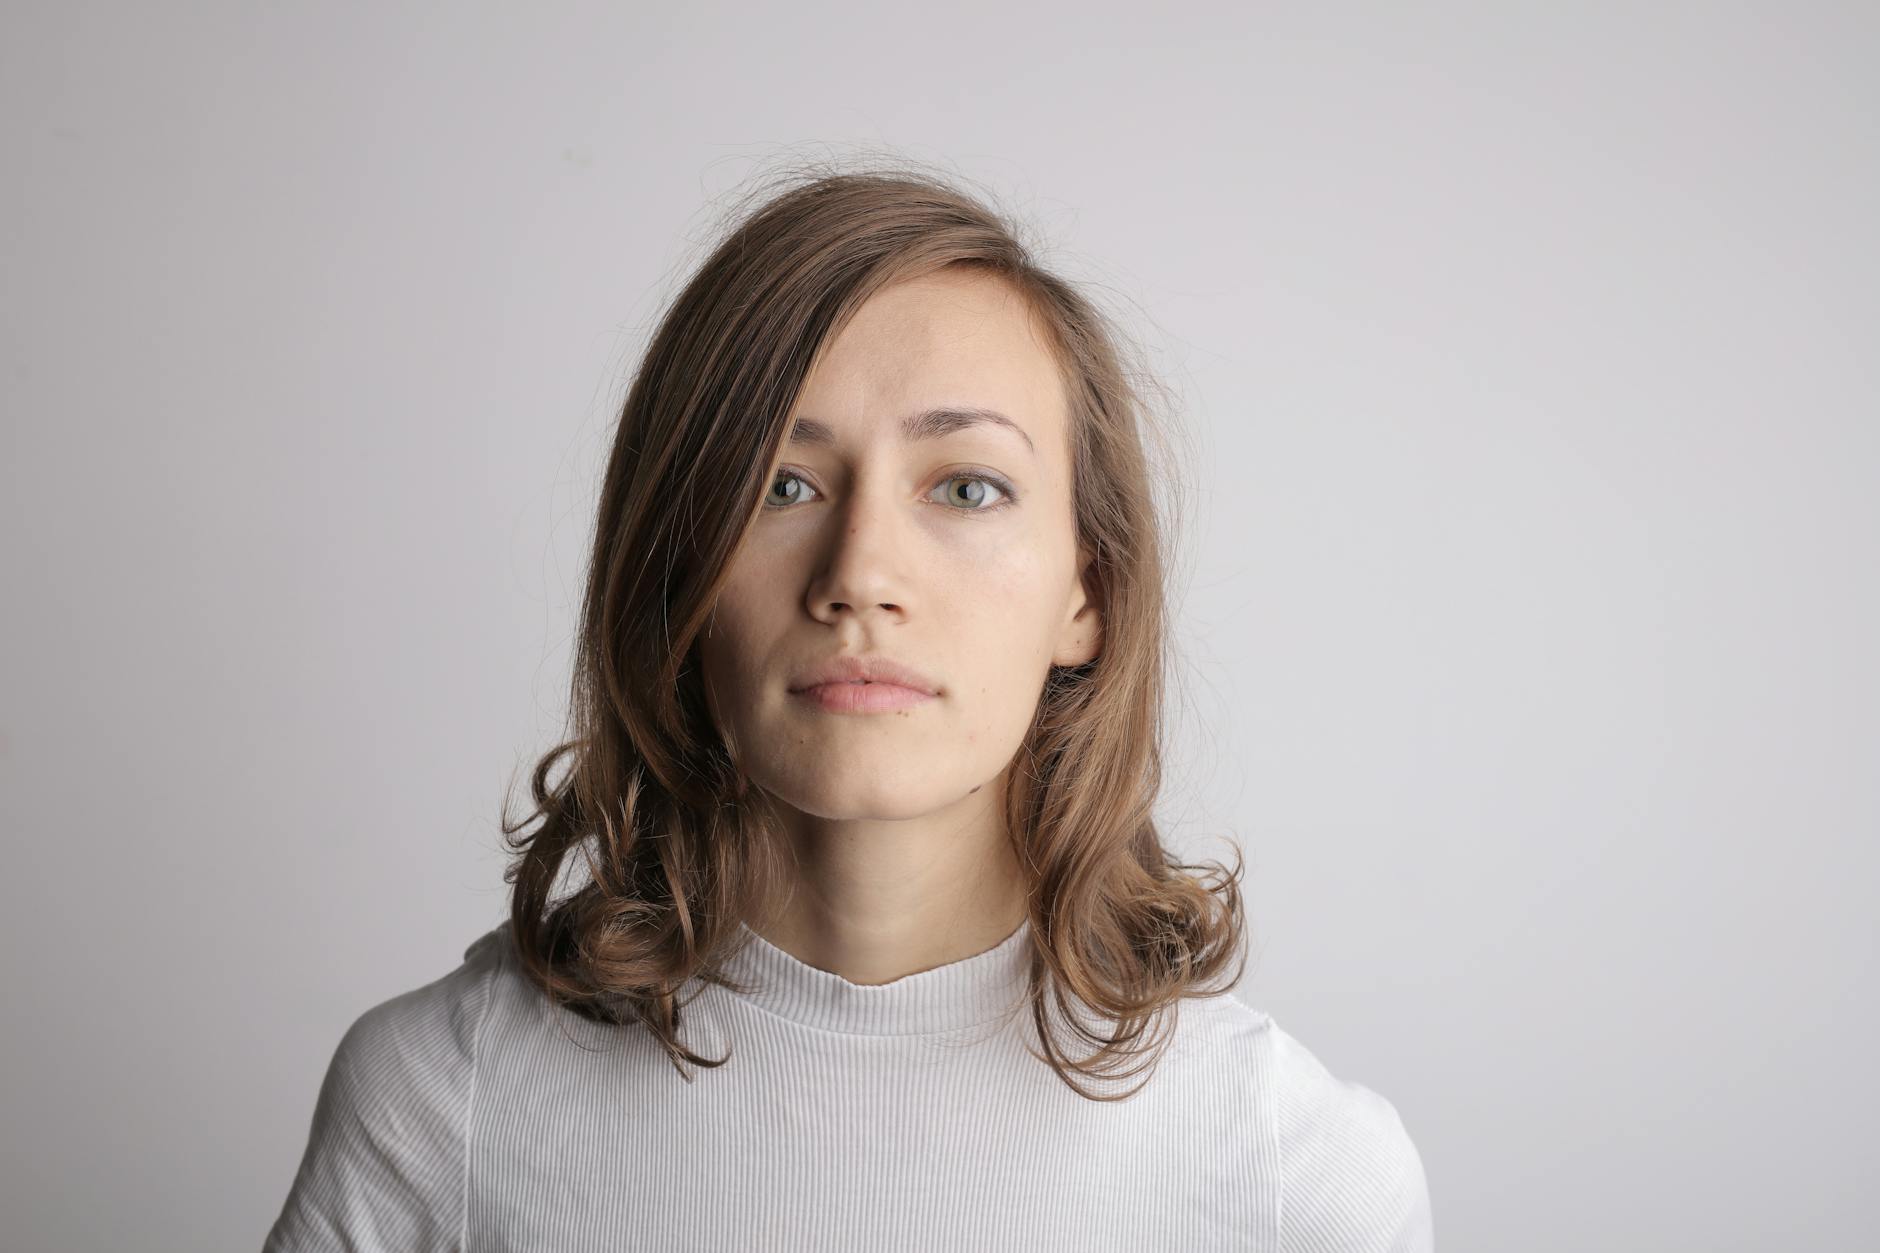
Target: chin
x,y
837,799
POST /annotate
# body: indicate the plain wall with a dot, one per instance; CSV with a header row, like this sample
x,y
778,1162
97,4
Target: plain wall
x,y
1527,355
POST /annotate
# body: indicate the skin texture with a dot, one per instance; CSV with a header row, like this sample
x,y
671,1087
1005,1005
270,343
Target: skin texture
x,y
874,545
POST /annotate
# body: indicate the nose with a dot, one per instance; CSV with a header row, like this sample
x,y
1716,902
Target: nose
x,y
865,568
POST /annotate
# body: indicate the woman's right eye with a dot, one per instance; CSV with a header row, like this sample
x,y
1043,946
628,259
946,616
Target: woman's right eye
x,y
794,496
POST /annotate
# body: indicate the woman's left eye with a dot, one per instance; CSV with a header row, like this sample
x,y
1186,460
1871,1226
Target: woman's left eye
x,y
977,484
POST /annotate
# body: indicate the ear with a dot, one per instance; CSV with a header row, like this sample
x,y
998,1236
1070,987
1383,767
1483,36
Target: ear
x,y
1081,638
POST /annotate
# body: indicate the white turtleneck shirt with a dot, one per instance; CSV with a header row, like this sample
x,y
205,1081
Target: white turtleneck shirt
x,y
472,1115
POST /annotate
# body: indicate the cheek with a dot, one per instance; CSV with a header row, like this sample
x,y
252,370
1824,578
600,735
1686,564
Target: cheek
x,y
1008,605
725,648
727,653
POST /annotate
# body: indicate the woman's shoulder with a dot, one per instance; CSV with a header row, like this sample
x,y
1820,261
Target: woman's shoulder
x,y
384,1157
1350,1177
430,1030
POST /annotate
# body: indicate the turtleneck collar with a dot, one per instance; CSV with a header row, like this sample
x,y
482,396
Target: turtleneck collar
x,y
960,994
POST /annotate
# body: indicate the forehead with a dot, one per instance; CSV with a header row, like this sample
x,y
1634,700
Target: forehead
x,y
949,339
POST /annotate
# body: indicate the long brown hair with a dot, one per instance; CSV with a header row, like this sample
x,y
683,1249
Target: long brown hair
x,y
680,846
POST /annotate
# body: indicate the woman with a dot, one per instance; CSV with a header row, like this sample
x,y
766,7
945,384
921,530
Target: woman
x,y
875,920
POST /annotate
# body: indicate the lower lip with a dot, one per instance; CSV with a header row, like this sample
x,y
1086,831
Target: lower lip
x,y
863,698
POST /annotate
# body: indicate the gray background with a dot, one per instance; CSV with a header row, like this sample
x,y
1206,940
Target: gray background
x,y
1528,360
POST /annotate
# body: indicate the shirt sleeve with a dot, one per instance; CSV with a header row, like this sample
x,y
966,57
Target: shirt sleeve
x,y
384,1165
1351,1180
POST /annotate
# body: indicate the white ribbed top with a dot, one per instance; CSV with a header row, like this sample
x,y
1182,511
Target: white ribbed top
x,y
471,1115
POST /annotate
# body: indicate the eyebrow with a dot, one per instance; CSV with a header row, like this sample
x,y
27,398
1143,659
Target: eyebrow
x,y
926,424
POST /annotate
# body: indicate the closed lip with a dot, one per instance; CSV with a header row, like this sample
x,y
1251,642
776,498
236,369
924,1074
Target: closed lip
x,y
863,669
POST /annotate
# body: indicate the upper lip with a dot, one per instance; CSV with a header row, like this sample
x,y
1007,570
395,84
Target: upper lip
x,y
870,669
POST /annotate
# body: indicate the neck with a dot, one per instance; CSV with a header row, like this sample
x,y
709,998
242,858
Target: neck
x,y
875,900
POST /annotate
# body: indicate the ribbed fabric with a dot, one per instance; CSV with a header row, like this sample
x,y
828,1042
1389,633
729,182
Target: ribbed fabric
x,y
472,1115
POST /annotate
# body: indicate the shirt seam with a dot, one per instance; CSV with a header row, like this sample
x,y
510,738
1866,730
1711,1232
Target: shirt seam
x,y
1269,1080
469,1115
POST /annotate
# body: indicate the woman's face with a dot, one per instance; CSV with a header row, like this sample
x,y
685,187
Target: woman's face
x,y
948,548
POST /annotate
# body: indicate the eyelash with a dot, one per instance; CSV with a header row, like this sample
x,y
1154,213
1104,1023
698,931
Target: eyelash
x,y
1008,495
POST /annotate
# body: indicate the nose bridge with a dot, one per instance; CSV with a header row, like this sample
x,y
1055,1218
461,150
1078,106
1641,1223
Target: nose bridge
x,y
863,560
